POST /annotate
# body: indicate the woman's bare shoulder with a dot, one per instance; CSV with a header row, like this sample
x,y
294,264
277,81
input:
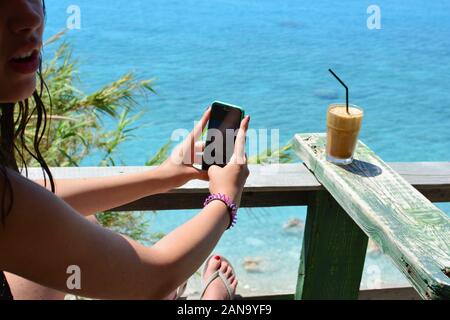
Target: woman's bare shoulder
x,y
20,186
26,205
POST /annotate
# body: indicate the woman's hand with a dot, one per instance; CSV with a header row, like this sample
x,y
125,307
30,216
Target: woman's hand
x,y
179,167
230,180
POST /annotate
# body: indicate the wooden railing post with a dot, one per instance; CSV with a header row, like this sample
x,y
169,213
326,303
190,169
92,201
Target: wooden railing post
x,y
333,253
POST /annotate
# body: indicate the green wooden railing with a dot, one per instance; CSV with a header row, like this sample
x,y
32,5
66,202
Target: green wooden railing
x,y
368,199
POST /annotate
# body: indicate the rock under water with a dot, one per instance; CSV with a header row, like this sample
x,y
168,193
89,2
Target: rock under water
x,y
252,264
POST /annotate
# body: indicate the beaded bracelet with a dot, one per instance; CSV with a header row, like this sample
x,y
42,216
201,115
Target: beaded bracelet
x,y
232,207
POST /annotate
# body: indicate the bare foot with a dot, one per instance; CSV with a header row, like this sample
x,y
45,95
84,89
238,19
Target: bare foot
x,y
217,290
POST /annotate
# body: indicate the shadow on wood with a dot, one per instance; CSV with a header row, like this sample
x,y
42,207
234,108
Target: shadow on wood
x,y
363,169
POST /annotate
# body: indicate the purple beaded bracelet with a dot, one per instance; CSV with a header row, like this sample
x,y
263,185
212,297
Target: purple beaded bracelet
x,y
232,207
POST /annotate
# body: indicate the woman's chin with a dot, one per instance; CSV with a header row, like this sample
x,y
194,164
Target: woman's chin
x,y
17,92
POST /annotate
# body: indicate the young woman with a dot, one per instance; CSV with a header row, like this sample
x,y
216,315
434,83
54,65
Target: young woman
x,y
43,229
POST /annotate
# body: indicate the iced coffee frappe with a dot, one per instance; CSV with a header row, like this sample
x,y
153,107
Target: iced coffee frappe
x,y
343,128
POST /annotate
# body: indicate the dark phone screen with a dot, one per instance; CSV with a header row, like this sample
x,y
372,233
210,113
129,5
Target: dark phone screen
x,y
222,130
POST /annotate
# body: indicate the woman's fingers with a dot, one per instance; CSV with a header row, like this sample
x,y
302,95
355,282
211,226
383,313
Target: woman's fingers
x,y
200,146
189,142
239,147
199,174
198,152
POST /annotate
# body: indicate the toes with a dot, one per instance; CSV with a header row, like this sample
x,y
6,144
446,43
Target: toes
x,y
234,284
228,272
223,267
214,263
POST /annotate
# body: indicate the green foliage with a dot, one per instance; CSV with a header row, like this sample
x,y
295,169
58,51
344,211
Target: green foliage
x,y
160,156
76,129
282,155
111,140
131,224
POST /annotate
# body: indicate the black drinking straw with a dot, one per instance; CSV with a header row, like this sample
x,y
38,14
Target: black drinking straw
x,y
346,88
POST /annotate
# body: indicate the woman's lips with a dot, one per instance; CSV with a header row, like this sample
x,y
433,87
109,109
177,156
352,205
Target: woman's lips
x,y
26,66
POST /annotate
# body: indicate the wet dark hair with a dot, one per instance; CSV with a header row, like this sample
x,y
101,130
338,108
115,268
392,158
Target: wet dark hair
x,y
12,140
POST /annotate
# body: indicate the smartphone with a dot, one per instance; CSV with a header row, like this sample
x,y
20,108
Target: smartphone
x,y
223,127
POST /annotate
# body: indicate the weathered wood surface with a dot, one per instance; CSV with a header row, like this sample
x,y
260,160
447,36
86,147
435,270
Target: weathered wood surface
x,y
406,226
432,179
267,186
333,253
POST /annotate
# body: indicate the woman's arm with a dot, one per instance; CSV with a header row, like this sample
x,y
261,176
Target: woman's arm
x,y
93,195
43,236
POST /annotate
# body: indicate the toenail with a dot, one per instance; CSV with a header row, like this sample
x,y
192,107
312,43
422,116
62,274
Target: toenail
x,y
217,257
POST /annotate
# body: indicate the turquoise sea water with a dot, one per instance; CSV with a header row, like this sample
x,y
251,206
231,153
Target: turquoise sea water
x,y
272,57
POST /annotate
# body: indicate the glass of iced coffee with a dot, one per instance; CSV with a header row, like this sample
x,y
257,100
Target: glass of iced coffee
x,y
343,126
